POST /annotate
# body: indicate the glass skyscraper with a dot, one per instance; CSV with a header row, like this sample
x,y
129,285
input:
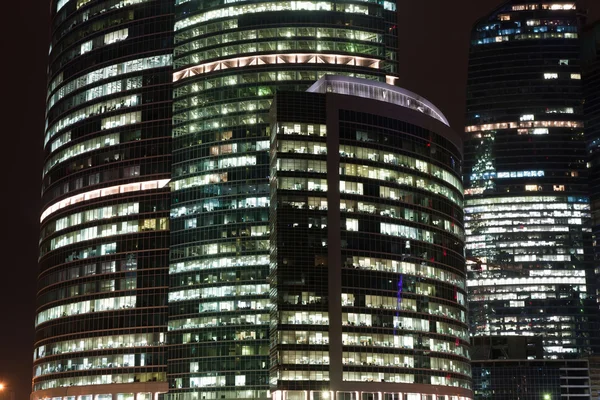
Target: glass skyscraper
x,y
101,318
368,296
527,209
230,58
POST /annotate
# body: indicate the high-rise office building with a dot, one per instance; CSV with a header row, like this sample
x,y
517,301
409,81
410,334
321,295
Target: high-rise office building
x,y
367,295
527,210
591,79
230,58
101,320
367,280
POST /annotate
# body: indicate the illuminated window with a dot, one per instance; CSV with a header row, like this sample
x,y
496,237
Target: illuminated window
x,y
390,6
550,75
116,36
563,62
527,117
562,110
519,174
523,7
243,9
524,124
121,120
473,191
532,188
106,73
80,148
85,47
352,224
575,76
504,17
559,188
567,6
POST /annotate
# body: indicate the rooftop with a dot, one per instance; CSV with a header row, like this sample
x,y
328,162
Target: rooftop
x,y
377,91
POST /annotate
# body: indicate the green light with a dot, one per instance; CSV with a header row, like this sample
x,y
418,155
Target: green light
x,y
547,396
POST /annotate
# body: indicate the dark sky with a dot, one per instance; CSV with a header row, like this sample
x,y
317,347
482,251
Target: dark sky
x,y
434,41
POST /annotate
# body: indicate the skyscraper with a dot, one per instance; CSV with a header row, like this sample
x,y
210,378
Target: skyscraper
x,y
101,320
591,75
229,60
527,210
368,296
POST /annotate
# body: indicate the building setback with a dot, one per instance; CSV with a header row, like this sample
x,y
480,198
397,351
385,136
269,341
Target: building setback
x,y
527,208
101,318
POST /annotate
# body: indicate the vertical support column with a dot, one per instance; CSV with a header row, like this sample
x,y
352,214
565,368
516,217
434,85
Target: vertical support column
x,y
334,252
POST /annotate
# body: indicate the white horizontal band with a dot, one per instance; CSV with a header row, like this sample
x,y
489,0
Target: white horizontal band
x,y
267,59
108,191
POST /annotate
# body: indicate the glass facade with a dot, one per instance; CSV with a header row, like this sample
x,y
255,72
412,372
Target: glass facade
x,y
535,380
367,279
527,211
591,76
101,318
594,363
230,58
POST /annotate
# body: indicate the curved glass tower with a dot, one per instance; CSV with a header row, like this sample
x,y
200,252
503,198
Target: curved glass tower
x,y
101,315
368,289
230,58
527,211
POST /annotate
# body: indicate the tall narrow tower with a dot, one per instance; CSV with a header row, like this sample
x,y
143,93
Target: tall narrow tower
x,y
527,210
101,315
367,263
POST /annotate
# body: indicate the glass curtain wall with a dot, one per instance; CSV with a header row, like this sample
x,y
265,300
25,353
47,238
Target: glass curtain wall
x,y
230,58
527,211
101,323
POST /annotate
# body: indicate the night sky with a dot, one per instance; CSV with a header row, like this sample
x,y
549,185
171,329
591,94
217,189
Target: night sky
x,y
434,40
